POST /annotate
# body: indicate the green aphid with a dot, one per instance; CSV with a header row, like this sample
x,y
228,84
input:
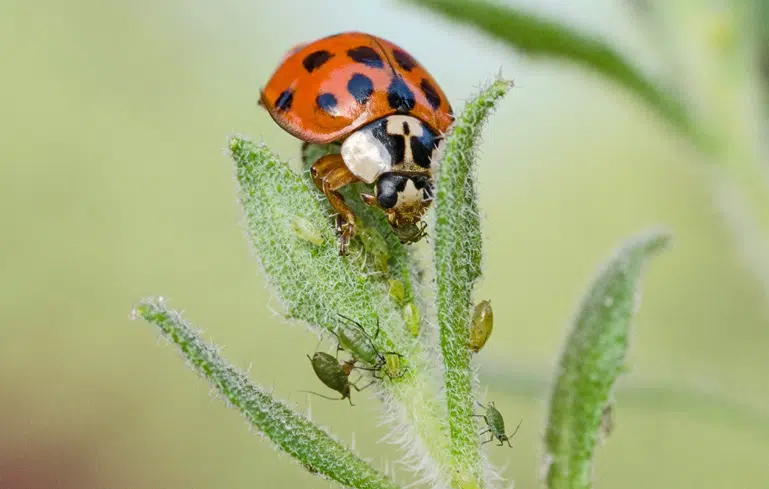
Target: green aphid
x,y
411,233
397,290
374,247
335,375
496,425
481,326
607,421
411,318
353,339
393,366
305,230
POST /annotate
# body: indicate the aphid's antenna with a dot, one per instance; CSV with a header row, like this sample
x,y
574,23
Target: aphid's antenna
x,y
353,321
359,325
515,431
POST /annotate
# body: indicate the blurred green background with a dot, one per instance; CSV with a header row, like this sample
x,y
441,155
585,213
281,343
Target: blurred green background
x,y
114,186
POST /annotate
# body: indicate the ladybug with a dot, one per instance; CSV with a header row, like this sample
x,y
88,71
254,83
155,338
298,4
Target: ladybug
x,y
382,106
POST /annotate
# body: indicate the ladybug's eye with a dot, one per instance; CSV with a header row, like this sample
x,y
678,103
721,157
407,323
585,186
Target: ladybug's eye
x,y
387,189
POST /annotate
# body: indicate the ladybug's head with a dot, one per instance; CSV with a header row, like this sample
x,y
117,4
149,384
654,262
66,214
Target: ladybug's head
x,y
405,199
398,154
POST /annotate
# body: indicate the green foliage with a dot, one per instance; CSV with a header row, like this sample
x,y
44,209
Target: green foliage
x,y
379,285
593,358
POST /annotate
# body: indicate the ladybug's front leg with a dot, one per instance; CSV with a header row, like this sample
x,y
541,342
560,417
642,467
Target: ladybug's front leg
x,y
330,174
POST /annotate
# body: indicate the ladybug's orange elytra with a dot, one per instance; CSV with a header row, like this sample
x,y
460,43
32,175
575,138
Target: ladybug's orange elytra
x,y
385,109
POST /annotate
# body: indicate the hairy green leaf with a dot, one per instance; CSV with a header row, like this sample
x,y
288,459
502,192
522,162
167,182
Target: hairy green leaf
x,y
458,255
593,358
293,433
316,283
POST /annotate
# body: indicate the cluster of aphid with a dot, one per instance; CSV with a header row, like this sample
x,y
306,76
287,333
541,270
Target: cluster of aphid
x,y
353,339
388,116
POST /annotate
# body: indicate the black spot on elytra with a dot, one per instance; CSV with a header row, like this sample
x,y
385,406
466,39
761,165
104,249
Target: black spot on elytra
x,y
361,87
366,55
404,59
430,93
284,100
422,147
399,96
315,60
326,102
406,128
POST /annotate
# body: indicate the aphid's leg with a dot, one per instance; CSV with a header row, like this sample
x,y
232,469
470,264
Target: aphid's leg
x,y
484,432
489,440
508,443
364,387
392,353
329,398
370,369
480,416
330,174
377,328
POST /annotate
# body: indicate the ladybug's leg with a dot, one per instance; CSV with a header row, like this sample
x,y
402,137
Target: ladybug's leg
x,y
330,174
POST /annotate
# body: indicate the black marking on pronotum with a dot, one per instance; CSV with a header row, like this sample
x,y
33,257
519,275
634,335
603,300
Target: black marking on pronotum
x,y
430,93
422,147
366,55
399,96
395,143
284,100
361,87
406,128
315,60
404,59
326,102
